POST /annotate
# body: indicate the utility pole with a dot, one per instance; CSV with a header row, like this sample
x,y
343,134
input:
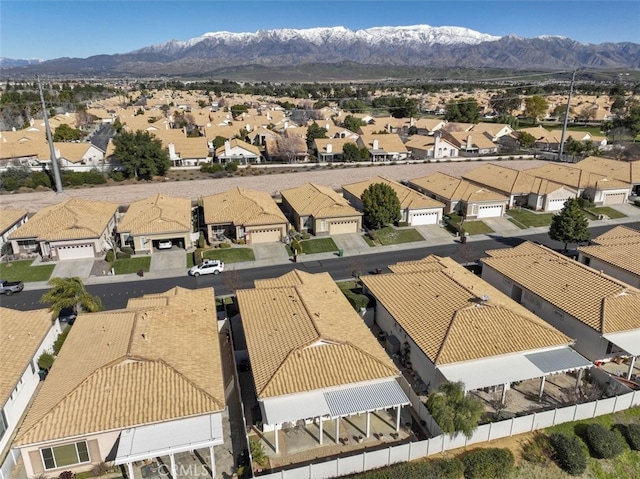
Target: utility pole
x,y
566,116
52,150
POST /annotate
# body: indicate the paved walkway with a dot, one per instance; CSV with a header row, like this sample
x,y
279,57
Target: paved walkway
x,y
353,245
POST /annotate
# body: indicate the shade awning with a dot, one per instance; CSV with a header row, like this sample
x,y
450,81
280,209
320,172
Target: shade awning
x,y
558,360
283,409
169,437
627,340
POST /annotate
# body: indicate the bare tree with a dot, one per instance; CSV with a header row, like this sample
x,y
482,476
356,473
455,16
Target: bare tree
x,y
288,146
466,254
232,281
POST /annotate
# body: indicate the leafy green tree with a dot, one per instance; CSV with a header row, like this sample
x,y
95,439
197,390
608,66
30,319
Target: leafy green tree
x,y
453,410
354,106
218,141
526,140
535,107
504,103
463,111
66,133
353,123
141,154
570,225
350,152
315,131
70,293
237,110
45,361
381,205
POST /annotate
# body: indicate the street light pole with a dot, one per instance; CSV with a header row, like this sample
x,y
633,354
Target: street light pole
x,y
52,151
566,117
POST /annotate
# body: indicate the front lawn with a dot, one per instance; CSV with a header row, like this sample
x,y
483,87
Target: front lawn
x,y
354,294
476,228
605,210
132,265
229,255
319,245
23,271
389,235
528,218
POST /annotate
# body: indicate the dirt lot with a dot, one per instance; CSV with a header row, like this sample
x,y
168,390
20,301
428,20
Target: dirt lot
x,y
272,181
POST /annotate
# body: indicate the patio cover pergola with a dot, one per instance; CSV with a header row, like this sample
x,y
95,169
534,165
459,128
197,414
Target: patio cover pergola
x,y
630,342
503,370
334,403
169,438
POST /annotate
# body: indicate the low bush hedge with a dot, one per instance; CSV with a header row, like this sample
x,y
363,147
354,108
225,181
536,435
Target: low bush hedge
x,y
122,255
603,443
127,249
487,463
448,468
632,433
569,453
225,245
110,256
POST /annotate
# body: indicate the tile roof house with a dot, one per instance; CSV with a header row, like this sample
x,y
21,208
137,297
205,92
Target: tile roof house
x,y
625,171
616,253
24,336
416,209
515,184
157,218
10,220
73,229
387,147
331,149
472,143
461,196
320,210
426,147
244,214
146,387
312,357
597,310
237,150
453,326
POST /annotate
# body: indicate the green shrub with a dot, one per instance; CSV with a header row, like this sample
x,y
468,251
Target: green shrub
x,y
306,236
445,468
197,257
57,344
632,433
45,361
213,168
201,240
569,453
231,167
402,224
127,249
110,256
225,245
258,455
538,449
487,463
122,255
604,443
117,176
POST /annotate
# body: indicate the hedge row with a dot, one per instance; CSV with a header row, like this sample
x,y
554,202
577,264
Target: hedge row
x,y
570,453
604,443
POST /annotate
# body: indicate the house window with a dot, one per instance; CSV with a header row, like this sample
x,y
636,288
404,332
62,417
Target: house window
x,y
61,456
558,314
3,424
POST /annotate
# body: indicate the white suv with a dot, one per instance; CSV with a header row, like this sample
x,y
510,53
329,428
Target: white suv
x,y
211,266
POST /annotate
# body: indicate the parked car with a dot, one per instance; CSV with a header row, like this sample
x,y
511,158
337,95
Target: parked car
x,y
10,287
211,266
165,244
67,315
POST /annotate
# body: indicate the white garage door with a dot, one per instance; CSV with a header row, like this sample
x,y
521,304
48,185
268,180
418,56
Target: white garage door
x,y
418,219
614,199
75,252
342,227
556,205
264,236
489,211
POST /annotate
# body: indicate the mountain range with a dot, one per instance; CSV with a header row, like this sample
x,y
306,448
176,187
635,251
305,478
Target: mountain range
x,y
405,46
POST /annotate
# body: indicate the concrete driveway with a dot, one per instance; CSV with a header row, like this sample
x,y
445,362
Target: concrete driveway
x,y
170,259
501,226
351,243
270,252
73,267
435,234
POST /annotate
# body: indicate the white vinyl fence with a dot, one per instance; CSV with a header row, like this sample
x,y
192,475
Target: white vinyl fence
x,y
366,461
9,463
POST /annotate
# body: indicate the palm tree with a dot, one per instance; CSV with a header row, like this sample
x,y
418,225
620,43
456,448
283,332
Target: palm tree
x,y
70,293
453,410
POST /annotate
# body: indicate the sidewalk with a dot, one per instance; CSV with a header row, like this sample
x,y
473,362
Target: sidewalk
x,y
355,249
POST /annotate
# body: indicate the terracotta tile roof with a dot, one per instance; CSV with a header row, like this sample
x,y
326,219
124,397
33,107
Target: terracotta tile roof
x,y
306,336
143,366
9,217
292,278
455,189
439,304
157,214
337,144
241,144
620,247
542,186
500,178
570,286
74,218
242,207
21,333
318,201
561,174
73,152
619,234
408,197
628,172
390,143
478,140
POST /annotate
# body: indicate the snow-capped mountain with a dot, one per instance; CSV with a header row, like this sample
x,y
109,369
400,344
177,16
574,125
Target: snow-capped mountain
x,y
404,46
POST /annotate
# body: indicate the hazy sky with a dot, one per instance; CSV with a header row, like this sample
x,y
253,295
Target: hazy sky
x,y
53,29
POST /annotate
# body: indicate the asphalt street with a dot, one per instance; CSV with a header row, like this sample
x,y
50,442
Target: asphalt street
x,y
116,295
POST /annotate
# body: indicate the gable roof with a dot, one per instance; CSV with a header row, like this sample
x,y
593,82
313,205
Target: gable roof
x,y
603,303
562,174
390,142
74,218
337,144
455,189
462,139
242,207
236,143
303,335
618,235
9,217
135,372
620,247
501,178
318,201
627,171
408,197
21,333
439,304
157,214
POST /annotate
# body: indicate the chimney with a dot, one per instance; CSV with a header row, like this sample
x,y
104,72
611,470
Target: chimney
x,y
412,121
227,148
286,125
329,148
469,144
326,126
172,150
375,144
436,144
